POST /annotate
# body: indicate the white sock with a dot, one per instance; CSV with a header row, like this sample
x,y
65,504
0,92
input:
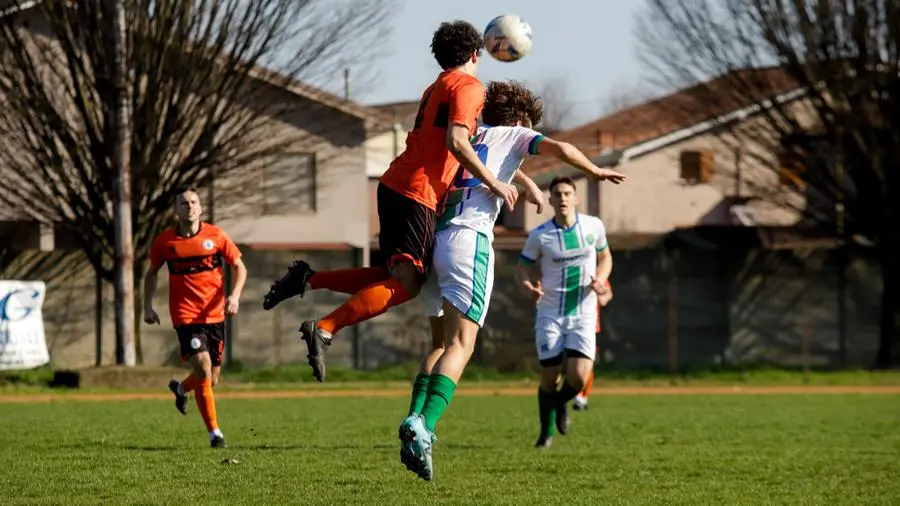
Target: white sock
x,y
215,432
580,399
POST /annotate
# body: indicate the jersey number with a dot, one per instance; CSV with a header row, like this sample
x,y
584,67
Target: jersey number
x,y
464,179
441,117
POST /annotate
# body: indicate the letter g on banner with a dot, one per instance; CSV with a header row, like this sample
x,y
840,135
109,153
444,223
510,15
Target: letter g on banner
x,y
18,304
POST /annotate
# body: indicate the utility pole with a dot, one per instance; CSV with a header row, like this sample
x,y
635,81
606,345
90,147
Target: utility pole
x,y
120,122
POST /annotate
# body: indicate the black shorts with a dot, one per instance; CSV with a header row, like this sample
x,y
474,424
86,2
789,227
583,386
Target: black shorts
x,y
406,229
199,337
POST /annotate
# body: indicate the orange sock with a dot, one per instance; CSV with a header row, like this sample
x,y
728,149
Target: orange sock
x,y
367,303
348,281
587,386
206,404
189,383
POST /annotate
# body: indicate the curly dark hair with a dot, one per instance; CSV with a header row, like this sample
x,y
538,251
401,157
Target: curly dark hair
x,y
508,102
453,44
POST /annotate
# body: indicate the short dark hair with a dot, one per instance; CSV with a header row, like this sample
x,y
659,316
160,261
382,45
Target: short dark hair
x,y
454,42
186,188
558,180
507,102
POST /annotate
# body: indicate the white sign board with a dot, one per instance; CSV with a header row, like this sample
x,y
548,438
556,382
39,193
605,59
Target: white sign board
x,y
22,342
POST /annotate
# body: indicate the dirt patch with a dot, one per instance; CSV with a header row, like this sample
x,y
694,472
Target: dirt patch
x,y
481,392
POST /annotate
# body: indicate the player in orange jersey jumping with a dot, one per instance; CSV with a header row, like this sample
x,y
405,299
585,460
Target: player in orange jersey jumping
x,y
194,253
408,196
581,400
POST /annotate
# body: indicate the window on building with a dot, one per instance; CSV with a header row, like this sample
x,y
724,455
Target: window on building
x,y
697,166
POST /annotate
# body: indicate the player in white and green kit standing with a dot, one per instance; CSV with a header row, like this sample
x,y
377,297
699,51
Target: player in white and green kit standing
x,y
564,265
458,291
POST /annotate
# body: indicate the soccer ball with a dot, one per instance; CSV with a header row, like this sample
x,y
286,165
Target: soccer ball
x,y
507,38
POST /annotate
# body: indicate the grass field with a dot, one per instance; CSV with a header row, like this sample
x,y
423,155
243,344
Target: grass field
x,y
686,449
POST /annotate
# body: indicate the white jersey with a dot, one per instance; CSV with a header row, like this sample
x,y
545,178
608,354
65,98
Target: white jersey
x,y
471,204
568,261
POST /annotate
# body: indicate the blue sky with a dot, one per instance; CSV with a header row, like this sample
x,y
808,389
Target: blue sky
x,y
592,46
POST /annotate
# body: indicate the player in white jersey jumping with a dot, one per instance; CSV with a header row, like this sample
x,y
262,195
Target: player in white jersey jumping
x,y
564,265
458,291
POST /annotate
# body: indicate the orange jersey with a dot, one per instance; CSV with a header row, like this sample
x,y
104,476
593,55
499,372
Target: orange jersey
x,y
196,284
424,171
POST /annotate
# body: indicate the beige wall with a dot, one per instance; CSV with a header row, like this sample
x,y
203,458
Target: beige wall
x,y
381,150
341,201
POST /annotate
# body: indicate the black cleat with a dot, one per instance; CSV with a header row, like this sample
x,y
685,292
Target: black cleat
x,y
218,442
317,341
563,422
544,442
291,284
577,406
181,401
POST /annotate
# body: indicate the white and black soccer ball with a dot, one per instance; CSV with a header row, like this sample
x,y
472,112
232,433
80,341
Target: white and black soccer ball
x,y
507,38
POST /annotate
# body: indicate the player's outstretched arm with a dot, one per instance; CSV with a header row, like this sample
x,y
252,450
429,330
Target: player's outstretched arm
x,y
574,157
533,193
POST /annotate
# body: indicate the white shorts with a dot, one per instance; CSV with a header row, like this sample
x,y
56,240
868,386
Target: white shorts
x,y
462,273
555,334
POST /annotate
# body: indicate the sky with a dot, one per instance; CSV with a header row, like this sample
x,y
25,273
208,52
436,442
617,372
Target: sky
x,y
592,47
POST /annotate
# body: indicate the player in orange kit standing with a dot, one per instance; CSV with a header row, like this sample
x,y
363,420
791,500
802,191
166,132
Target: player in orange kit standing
x,y
581,400
408,196
194,253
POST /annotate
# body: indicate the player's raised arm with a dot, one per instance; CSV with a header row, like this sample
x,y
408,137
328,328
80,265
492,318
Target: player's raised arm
x,y
574,157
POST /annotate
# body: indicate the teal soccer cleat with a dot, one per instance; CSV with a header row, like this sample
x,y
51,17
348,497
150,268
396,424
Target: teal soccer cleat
x,y
415,447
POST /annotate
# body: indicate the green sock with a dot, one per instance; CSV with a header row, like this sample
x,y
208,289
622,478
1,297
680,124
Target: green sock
x,y
547,411
440,393
419,393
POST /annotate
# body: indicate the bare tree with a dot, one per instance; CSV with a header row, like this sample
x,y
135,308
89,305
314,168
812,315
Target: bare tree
x,y
841,59
624,94
559,107
200,76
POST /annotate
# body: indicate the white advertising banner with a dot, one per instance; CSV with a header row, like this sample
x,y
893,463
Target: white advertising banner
x,y
22,342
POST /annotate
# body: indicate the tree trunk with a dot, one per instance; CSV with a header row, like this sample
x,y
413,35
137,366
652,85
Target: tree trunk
x,y
139,267
890,306
120,128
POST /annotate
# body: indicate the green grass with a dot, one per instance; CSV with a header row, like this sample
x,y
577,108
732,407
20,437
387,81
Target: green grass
x,y
775,449
295,376
764,376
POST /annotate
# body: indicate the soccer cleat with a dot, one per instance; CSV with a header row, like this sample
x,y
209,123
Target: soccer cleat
x,y
563,422
407,443
218,442
291,284
415,447
317,341
181,401
544,442
580,404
